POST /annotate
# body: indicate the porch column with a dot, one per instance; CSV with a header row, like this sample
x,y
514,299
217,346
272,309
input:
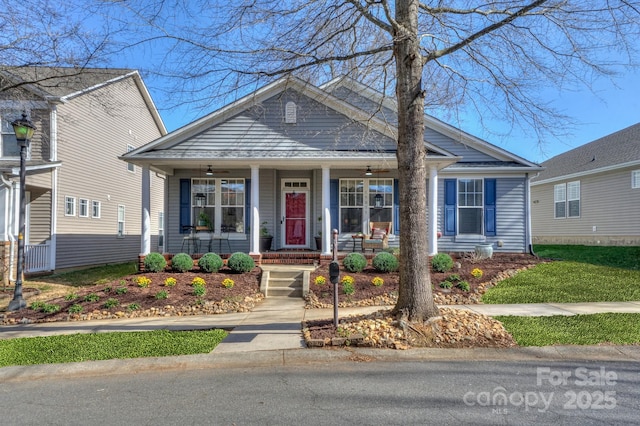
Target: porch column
x,y
326,210
145,238
433,210
255,210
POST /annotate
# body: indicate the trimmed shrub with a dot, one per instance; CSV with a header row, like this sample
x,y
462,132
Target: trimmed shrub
x,y
154,262
385,262
182,262
210,262
240,262
354,262
441,262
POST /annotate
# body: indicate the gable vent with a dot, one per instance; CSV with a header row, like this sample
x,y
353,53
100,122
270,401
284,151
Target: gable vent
x,y
290,113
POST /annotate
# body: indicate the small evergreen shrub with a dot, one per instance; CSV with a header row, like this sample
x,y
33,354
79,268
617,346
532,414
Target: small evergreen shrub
x,y
463,285
385,262
442,262
210,262
240,262
154,262
354,262
181,262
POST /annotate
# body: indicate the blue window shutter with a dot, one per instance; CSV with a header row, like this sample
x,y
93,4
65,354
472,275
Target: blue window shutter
x,y
450,206
396,207
490,207
185,204
334,186
247,205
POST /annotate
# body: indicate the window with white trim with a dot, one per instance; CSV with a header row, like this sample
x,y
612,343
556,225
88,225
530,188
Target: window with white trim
x,y
566,200
95,209
470,206
121,220
130,166
363,201
223,207
83,207
69,206
9,145
635,179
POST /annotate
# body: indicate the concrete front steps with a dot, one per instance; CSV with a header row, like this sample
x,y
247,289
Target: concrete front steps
x,y
285,280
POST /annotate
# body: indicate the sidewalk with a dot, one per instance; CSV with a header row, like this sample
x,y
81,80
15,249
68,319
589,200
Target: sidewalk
x,y
270,336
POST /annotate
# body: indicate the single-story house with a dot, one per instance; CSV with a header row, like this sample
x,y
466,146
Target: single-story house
x,y
296,160
591,194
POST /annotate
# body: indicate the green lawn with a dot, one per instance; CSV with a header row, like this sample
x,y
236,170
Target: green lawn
x,y
101,346
592,329
585,274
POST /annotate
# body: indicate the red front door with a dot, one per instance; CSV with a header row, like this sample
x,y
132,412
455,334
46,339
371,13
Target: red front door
x,y
295,220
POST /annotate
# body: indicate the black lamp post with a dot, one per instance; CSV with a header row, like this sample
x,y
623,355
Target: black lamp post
x,y
23,128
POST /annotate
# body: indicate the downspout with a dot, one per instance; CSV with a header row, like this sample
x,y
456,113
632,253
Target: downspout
x,y
529,237
54,186
9,215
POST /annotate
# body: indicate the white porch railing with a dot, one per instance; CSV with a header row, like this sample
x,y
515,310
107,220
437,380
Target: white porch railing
x,y
37,257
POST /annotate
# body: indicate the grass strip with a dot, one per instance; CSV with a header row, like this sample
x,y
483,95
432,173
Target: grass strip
x,y
616,328
614,256
102,346
567,282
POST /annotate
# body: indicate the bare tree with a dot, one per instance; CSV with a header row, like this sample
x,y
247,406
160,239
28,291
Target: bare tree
x,y
44,33
494,56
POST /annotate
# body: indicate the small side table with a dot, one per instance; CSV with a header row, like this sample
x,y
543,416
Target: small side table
x,y
357,238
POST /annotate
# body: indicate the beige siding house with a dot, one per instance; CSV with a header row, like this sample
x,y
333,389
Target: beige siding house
x,y
84,204
591,194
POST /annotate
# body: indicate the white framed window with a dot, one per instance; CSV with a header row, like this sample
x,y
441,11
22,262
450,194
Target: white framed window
x,y
9,145
365,200
69,206
83,207
130,166
470,206
223,207
95,209
635,179
560,200
566,200
120,220
573,199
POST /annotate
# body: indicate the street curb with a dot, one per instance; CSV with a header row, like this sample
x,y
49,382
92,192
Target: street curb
x,y
274,358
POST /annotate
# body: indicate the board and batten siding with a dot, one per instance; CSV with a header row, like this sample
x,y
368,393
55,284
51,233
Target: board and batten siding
x,y
93,130
510,218
607,202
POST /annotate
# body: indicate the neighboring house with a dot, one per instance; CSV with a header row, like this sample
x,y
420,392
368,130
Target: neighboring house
x,y
300,160
591,194
84,204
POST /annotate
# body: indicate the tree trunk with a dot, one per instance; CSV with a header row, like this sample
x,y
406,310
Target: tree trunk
x,y
415,297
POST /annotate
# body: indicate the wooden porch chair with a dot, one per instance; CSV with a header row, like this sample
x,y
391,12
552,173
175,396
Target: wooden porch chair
x,y
378,236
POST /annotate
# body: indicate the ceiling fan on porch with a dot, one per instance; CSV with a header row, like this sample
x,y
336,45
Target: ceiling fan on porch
x,y
370,172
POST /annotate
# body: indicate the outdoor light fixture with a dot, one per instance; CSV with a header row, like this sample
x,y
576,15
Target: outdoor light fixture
x,y
368,172
209,171
200,199
378,201
23,128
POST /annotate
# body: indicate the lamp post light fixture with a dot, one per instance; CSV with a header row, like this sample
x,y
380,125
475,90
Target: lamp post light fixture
x,y
23,128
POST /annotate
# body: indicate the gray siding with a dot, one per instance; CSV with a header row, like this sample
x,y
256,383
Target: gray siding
x,y
510,218
94,129
39,216
318,127
607,202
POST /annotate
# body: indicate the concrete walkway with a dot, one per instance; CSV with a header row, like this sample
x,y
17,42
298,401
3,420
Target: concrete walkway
x,y
275,323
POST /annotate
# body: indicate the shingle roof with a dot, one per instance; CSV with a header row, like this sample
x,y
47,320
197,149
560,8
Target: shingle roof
x,y
617,148
60,81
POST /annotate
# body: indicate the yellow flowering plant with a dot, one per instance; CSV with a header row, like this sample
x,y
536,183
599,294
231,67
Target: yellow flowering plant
x,y
198,281
320,280
170,282
228,283
477,273
347,279
143,281
377,281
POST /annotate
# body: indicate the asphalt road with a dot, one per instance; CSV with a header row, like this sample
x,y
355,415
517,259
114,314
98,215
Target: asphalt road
x,y
354,393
